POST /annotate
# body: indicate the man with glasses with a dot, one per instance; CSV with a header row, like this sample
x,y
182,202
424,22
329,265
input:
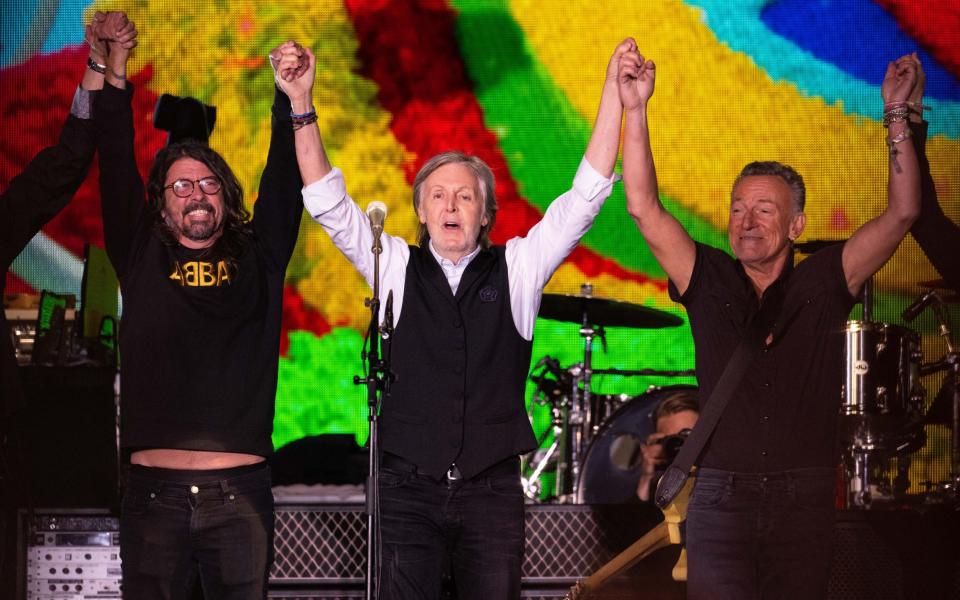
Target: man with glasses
x,y
202,287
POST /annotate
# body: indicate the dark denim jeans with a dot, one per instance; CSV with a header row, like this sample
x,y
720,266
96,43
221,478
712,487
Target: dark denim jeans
x,y
760,535
176,524
475,526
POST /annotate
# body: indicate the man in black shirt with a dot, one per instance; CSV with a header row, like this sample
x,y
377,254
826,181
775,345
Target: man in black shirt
x,y
760,521
202,292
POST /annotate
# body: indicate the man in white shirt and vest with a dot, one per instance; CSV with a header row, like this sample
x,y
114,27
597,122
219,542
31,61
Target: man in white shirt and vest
x,y
454,424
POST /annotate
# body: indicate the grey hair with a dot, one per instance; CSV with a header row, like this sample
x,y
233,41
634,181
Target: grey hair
x,y
784,172
485,182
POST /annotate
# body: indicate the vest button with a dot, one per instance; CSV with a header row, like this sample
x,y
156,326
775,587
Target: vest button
x,y
454,443
458,370
456,323
457,418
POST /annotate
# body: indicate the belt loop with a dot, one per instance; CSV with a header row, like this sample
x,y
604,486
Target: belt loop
x,y
224,488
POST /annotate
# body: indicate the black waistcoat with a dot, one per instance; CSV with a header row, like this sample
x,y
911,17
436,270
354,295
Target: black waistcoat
x,y
461,368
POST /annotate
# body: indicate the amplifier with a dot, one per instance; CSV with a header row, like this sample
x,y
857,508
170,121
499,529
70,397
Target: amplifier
x,y
69,555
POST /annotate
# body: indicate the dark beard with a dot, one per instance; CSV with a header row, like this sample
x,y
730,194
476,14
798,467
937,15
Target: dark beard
x,y
197,232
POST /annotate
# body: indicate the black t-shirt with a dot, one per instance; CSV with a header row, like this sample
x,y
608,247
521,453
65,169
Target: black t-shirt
x,y
200,334
784,413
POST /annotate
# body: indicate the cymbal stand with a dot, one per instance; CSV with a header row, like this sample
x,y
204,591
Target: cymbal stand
x,y
581,412
951,363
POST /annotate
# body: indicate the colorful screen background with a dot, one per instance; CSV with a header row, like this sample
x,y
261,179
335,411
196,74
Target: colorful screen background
x,y
516,82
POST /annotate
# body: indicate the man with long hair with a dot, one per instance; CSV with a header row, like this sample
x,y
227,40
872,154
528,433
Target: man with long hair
x,y
202,286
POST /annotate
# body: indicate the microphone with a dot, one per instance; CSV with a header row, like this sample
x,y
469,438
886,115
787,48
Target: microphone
x,y
912,311
377,213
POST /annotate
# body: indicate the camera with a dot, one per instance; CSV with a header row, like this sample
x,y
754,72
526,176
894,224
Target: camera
x,y
672,443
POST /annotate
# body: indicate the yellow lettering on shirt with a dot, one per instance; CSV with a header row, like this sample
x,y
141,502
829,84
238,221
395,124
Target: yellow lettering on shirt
x,y
199,273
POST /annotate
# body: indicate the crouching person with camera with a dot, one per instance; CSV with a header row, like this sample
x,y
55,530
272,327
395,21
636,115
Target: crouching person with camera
x,y
673,418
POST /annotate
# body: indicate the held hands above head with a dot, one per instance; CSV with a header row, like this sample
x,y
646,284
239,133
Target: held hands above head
x,y
635,77
613,66
294,70
113,33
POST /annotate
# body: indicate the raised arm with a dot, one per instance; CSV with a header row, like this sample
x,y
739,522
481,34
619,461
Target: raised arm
x,y
121,189
875,241
671,245
53,176
295,71
938,236
324,194
279,206
604,144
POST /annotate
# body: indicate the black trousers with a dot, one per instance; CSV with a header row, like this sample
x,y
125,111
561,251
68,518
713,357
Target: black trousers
x,y
761,535
475,525
177,525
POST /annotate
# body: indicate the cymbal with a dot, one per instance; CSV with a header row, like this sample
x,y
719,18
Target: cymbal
x,y
601,311
812,246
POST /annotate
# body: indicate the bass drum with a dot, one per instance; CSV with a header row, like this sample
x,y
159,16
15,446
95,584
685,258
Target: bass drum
x,y
611,469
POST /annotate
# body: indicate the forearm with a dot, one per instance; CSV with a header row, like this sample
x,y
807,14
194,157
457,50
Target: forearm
x,y
938,236
45,186
279,204
604,144
669,242
903,184
121,189
311,155
639,172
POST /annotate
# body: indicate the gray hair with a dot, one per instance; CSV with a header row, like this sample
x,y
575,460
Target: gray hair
x,y
485,182
784,172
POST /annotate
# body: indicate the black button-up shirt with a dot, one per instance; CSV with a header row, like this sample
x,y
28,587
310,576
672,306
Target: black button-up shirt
x,y
785,410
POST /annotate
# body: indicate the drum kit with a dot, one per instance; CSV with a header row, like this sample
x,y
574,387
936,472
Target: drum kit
x,y
594,439
594,452
882,416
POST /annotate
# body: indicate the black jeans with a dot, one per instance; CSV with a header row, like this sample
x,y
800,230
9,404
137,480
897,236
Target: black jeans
x,y
177,524
477,525
761,535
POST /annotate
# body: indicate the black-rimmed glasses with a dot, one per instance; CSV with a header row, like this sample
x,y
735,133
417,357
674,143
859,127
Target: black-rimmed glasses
x,y
183,188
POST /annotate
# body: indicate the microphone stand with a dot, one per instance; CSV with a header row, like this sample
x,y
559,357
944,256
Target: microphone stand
x,y
377,382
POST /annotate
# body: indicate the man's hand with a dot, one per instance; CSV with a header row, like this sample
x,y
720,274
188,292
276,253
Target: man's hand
x,y
120,35
294,70
635,79
899,80
613,67
916,94
652,456
98,46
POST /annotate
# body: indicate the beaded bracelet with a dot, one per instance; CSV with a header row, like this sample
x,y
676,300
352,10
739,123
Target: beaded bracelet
x,y
302,120
95,66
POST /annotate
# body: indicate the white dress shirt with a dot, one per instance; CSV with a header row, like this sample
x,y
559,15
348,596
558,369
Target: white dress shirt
x,y
531,260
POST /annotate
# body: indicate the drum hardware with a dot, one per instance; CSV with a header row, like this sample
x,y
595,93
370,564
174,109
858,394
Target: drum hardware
x,y
577,414
881,405
950,392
